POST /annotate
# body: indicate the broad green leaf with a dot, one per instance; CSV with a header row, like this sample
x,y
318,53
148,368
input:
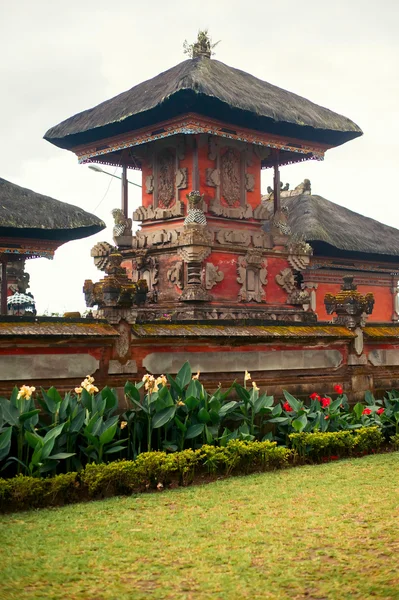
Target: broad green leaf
x,y
132,392
111,399
5,443
369,398
47,448
33,439
163,417
191,402
175,385
10,412
25,416
242,392
77,422
194,431
61,455
208,435
227,408
108,435
293,402
180,425
37,455
53,433
204,416
277,410
184,375
335,404
192,389
281,420
114,449
300,423
358,410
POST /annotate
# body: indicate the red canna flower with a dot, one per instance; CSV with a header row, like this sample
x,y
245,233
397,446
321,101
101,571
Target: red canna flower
x,y
380,411
325,402
338,389
367,411
314,396
326,417
287,407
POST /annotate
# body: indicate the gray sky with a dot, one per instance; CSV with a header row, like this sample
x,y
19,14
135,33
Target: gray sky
x,y
59,58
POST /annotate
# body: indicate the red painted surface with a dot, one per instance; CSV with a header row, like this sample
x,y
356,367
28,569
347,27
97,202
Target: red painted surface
x,y
383,301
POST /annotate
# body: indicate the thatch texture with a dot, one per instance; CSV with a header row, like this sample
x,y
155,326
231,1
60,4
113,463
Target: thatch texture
x,y
25,213
328,226
213,89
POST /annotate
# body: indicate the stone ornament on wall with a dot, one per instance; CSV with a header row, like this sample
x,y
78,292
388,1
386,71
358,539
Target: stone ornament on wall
x,y
100,253
146,267
212,275
350,306
299,255
252,275
228,237
230,179
286,280
176,275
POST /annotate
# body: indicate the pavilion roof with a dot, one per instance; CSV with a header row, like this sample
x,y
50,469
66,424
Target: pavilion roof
x,y
334,230
207,87
27,214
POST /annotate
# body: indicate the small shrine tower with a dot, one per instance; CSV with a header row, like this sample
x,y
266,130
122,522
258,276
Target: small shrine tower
x,y
201,133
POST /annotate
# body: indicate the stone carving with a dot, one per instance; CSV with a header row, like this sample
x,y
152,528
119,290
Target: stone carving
x,y
312,287
350,305
176,274
261,212
160,237
395,302
195,246
212,177
280,222
145,268
149,184
252,273
233,236
298,297
181,178
212,275
116,290
286,280
195,214
147,213
100,252
17,277
230,177
122,345
261,239
123,225
249,182
165,178
236,212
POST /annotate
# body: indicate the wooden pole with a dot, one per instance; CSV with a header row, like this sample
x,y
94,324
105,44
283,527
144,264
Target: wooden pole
x,y
4,286
125,208
276,184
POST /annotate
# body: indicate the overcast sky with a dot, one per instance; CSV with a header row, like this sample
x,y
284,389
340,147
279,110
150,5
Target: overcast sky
x,y
59,58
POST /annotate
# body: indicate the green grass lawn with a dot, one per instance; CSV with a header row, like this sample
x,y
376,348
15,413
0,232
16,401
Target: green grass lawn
x,y
315,532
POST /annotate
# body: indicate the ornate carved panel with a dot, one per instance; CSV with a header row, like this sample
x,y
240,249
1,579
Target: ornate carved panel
x,y
230,177
176,274
165,168
286,280
181,178
212,275
228,237
252,275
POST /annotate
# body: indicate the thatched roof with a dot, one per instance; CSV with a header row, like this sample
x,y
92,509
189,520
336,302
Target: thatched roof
x,y
334,230
213,89
24,213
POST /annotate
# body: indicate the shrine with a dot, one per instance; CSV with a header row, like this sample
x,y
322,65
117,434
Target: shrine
x,y
286,285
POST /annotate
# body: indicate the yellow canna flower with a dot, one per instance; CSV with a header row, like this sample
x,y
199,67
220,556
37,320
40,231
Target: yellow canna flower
x,y
123,424
78,390
161,380
179,403
255,386
196,376
247,376
25,392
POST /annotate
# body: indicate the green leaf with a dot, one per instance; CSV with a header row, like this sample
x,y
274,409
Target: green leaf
x,y
132,392
111,399
281,420
204,416
191,402
25,416
33,439
53,433
358,410
300,423
175,386
5,443
61,455
208,435
114,449
277,410
180,425
10,412
47,448
77,422
227,408
163,417
86,400
242,392
192,389
109,434
293,402
37,455
335,404
369,398
194,431
184,375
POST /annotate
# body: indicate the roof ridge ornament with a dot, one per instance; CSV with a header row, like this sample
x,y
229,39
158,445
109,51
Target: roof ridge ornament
x,y
202,47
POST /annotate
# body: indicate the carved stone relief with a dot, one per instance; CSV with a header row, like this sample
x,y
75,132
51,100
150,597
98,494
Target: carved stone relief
x,y
181,178
230,177
100,253
233,236
249,182
176,274
312,287
154,238
149,184
212,275
252,275
165,168
286,280
146,213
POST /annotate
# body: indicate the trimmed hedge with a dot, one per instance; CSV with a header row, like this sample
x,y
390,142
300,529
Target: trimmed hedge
x,y
153,470
339,443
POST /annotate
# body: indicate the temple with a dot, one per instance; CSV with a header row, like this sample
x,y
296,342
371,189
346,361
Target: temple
x,y
289,286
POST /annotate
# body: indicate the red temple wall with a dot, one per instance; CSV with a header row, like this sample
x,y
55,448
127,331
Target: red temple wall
x,y
383,301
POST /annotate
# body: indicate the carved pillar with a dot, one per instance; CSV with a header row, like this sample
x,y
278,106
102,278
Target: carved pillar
x,y
309,285
3,285
395,300
195,247
125,208
276,182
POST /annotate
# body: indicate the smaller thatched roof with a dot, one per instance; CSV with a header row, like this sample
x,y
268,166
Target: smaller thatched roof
x,y
210,88
333,230
24,213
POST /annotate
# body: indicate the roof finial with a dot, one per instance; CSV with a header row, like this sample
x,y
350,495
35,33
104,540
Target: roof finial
x,y
203,47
